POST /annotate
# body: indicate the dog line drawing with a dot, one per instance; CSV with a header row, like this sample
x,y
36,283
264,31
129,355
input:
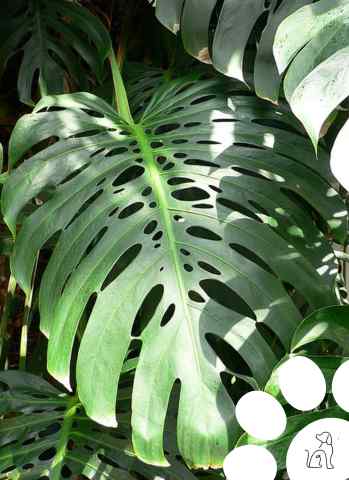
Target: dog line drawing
x,y
322,456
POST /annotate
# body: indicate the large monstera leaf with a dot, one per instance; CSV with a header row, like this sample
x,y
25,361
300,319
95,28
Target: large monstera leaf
x,y
46,434
191,224
58,38
221,32
313,43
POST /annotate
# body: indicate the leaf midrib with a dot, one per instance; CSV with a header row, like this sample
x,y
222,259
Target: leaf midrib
x,y
164,209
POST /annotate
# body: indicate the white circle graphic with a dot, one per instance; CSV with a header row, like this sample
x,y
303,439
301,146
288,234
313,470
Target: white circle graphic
x,y
250,462
340,386
320,451
260,415
302,383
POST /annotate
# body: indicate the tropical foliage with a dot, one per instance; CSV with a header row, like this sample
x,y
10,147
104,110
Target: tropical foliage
x,y
168,236
48,434
306,37
317,56
330,324
52,45
220,32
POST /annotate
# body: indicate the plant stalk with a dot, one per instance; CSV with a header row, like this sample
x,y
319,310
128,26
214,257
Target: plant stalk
x,y
62,445
23,348
122,104
4,320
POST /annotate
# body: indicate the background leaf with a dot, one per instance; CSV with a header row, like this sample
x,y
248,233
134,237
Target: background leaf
x,y
313,44
231,34
58,39
40,440
330,323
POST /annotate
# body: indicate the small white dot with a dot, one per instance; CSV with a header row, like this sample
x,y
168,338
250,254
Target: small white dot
x,y
340,386
302,383
260,415
249,462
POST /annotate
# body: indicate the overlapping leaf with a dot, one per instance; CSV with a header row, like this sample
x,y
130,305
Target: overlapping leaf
x,y
313,43
193,224
330,323
295,424
221,31
57,38
46,434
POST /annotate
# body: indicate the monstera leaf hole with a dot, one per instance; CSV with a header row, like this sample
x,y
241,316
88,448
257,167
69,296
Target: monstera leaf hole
x,y
147,310
175,244
235,386
230,357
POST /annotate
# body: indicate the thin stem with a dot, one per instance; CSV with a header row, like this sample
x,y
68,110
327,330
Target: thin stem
x,y
345,269
23,349
42,86
121,53
4,320
1,157
120,91
64,436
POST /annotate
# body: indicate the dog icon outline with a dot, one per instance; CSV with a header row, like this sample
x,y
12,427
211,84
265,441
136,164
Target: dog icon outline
x,y
321,457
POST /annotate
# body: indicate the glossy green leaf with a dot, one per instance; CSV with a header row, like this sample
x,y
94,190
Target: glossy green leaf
x,y
313,44
235,23
220,32
330,323
194,223
266,76
46,434
169,13
56,38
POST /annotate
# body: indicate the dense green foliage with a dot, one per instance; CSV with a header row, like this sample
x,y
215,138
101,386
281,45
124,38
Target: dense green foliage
x,y
174,235
51,46
258,40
